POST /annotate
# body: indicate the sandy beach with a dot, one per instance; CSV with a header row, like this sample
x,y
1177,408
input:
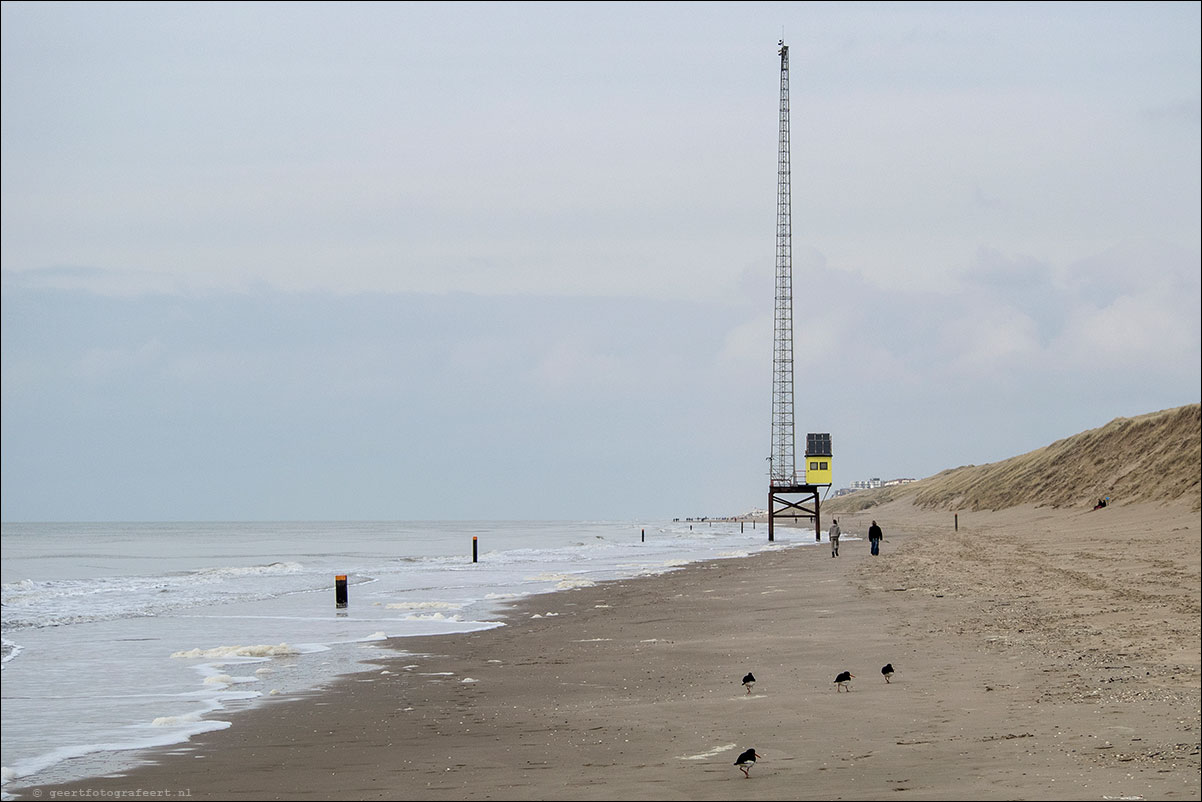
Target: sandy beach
x,y
1039,653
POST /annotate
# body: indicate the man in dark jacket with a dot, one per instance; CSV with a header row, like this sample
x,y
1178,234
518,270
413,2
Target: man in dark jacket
x,y
875,536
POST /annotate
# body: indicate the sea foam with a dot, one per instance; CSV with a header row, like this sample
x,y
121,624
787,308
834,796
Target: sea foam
x,y
426,605
279,650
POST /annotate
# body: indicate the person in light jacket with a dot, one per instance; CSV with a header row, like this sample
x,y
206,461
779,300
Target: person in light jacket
x,y
834,536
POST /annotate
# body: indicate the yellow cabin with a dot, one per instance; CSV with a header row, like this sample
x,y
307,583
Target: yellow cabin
x,y
818,459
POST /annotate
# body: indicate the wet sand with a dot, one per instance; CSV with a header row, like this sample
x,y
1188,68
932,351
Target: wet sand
x,y
1039,654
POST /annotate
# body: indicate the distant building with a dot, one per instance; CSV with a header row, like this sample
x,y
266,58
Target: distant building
x,y
871,484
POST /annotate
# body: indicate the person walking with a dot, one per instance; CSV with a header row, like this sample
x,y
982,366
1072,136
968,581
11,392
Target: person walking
x,y
875,536
834,536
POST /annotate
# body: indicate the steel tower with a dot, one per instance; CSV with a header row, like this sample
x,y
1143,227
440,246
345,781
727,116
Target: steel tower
x,y
787,496
783,469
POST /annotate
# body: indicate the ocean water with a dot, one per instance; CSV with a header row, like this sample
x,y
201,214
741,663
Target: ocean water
x,y
118,637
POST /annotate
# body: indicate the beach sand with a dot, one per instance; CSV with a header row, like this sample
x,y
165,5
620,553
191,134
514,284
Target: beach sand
x,y
1039,654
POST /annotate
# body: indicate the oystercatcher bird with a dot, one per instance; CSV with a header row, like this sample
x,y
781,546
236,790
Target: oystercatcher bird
x,y
844,676
746,761
887,671
748,681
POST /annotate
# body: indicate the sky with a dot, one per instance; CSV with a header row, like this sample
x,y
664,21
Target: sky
x,y
386,261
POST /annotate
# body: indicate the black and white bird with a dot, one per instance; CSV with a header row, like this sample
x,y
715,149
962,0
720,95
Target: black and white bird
x,y
887,671
844,676
746,761
748,681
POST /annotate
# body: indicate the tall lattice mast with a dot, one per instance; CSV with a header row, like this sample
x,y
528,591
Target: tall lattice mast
x,y
783,468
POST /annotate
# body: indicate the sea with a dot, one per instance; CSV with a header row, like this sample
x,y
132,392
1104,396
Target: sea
x,y
118,637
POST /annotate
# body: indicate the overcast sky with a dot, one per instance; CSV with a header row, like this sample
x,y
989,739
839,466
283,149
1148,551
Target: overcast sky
x,y
465,260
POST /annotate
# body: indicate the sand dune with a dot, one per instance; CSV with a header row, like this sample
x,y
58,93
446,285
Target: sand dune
x,y
1150,458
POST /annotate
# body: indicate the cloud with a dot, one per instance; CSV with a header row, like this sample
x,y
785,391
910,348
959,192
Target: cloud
x,y
115,363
